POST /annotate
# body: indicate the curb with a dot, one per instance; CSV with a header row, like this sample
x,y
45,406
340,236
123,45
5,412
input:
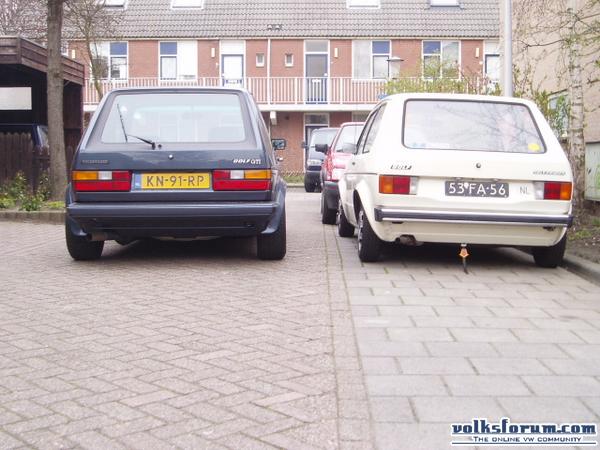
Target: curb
x,y
50,217
582,267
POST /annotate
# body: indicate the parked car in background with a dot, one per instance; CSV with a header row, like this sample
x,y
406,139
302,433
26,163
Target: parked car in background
x,y
336,157
175,163
314,159
457,169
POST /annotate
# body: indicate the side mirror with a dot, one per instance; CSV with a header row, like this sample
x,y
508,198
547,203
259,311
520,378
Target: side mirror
x,y
278,144
321,148
349,147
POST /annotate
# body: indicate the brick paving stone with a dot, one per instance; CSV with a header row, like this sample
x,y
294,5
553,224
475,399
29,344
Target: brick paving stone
x,y
190,345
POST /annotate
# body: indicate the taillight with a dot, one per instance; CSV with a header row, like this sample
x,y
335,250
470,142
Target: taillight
x,y
242,180
395,184
101,180
553,190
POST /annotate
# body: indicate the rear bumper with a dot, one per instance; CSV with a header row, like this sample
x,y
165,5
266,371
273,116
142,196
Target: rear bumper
x,y
537,220
185,220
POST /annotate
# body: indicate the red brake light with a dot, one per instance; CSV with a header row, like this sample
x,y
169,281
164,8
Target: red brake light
x,y
557,190
393,184
101,181
241,180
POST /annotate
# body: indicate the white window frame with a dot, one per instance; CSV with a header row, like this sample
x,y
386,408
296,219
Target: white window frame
x,y
369,4
104,53
441,56
260,59
371,57
161,56
288,62
444,3
187,4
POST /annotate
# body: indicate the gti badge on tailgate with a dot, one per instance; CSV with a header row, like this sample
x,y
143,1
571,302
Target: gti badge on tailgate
x,y
247,161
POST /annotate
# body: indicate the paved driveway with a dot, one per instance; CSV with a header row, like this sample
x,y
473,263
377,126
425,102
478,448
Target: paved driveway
x,y
200,345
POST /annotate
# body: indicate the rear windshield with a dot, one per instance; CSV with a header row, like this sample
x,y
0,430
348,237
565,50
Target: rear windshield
x,y
176,118
470,125
322,137
348,135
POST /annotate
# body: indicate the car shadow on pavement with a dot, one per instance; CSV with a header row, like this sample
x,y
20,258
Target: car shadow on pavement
x,y
229,248
448,255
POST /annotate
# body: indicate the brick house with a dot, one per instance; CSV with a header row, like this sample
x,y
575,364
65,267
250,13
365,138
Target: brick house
x,y
308,64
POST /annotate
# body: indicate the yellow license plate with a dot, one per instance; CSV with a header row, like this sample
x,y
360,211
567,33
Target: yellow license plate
x,y
175,181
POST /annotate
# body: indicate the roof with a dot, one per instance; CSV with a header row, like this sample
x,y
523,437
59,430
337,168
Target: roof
x,y
309,19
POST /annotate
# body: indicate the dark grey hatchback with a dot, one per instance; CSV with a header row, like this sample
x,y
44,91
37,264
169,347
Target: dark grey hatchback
x,y
175,163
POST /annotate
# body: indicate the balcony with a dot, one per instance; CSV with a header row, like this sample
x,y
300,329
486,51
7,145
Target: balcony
x,y
290,93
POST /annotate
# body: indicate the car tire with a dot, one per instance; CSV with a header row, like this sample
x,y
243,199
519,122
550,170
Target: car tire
x,y
369,245
272,246
550,257
309,187
80,248
345,228
328,215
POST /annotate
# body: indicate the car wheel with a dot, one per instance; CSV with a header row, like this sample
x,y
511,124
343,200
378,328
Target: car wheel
x,y
369,245
327,215
272,246
80,248
552,256
345,228
309,187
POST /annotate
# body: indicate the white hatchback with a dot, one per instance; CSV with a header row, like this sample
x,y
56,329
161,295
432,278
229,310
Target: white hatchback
x,y
458,169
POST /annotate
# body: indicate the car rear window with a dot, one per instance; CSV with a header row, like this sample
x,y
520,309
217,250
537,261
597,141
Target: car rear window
x,y
470,125
322,137
348,135
176,118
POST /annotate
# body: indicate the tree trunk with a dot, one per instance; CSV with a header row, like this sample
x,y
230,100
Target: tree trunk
x,y
56,133
576,122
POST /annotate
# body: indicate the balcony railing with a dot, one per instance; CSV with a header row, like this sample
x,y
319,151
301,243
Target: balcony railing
x,y
286,90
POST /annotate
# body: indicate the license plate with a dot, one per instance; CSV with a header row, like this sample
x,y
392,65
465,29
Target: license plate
x,y
476,189
174,181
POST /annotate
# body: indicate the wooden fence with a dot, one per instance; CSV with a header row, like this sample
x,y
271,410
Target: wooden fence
x,y
18,154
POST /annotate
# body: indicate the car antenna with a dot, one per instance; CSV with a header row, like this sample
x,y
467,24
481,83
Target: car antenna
x,y
464,254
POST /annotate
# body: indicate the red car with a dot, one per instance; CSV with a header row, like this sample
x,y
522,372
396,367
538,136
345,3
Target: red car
x,y
336,157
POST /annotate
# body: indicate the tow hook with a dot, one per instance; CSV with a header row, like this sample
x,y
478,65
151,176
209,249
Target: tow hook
x,y
464,254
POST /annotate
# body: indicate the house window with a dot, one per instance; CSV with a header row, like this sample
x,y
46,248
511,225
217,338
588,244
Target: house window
x,y
289,60
168,60
492,60
178,60
118,60
260,60
443,2
362,3
187,3
113,3
110,60
440,59
359,116
370,59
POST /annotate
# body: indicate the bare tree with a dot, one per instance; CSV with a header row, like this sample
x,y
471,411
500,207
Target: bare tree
x,y
92,21
56,135
566,33
23,18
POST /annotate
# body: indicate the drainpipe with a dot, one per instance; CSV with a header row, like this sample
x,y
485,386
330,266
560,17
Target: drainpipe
x,y
268,71
508,76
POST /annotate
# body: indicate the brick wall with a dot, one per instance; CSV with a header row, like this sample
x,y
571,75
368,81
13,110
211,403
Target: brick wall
x,y
143,59
342,65
410,51
254,46
278,50
470,63
290,126
208,66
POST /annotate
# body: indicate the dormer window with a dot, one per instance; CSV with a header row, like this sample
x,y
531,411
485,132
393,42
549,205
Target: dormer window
x,y
187,4
112,3
362,3
443,3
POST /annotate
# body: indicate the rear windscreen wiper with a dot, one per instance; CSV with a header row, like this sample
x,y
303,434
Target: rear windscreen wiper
x,y
147,141
126,135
